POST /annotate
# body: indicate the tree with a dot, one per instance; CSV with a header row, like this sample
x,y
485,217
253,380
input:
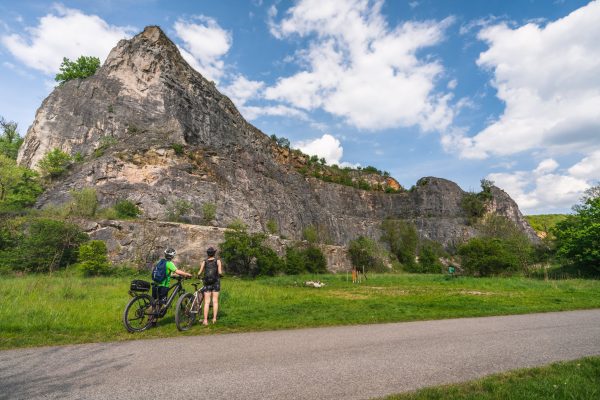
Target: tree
x,y
366,254
126,209
19,186
54,163
487,256
244,253
93,260
403,239
578,236
80,69
10,141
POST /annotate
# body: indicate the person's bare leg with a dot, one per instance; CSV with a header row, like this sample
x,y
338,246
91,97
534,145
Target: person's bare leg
x,y
206,305
215,299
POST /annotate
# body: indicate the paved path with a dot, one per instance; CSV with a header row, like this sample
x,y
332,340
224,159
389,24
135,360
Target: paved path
x,y
357,362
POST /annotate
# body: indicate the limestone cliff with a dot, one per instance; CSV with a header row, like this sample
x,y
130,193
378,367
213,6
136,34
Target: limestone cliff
x,y
152,130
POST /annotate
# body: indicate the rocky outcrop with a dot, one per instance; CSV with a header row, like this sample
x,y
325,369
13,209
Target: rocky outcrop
x,y
152,130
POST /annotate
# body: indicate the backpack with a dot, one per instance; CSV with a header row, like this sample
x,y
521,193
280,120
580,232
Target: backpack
x,y
159,273
211,273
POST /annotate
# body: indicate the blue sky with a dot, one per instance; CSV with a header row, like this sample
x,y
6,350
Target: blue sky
x,y
464,90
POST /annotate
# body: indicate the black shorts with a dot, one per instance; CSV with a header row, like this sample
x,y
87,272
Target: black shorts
x,y
160,292
215,287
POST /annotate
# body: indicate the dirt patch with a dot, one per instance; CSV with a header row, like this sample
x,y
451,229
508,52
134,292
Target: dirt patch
x,y
475,293
342,294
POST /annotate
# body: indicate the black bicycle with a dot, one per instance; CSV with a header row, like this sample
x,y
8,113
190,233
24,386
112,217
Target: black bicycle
x,y
142,310
189,306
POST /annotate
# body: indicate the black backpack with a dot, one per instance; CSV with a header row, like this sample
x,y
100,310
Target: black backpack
x,y
211,272
159,273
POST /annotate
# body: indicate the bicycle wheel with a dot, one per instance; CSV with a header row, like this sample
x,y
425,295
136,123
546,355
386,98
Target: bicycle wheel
x,y
138,311
185,315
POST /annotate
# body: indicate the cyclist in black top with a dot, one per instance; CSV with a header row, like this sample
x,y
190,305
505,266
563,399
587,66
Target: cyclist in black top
x,y
212,283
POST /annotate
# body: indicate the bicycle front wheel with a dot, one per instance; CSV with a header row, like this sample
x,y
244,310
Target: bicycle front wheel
x,y
138,311
187,311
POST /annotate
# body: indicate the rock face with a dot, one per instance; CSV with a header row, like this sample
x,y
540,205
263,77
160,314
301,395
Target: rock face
x,y
152,130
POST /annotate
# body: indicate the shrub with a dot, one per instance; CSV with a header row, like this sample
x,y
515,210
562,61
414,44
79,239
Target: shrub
x,y
366,253
209,211
403,240
473,206
54,163
310,234
178,148
82,68
93,260
314,260
294,261
241,249
126,209
487,256
41,244
267,262
84,203
19,186
178,209
272,227
429,257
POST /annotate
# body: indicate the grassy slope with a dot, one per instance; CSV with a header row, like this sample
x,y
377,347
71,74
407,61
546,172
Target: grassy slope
x,y
579,379
544,222
45,310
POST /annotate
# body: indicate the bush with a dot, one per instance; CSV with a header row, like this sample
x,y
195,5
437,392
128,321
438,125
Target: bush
x,y
10,141
403,240
126,209
429,257
310,234
93,260
268,262
367,254
294,261
84,203
54,163
177,148
41,244
272,227
82,68
314,259
178,209
241,249
209,211
487,256
19,186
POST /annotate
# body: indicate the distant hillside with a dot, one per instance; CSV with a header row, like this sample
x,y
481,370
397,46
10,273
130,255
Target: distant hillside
x,y
542,223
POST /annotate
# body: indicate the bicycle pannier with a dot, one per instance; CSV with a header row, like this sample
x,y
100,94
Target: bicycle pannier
x,y
139,286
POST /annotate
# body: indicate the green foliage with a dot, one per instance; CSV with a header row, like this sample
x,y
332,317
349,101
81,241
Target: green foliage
x,y
40,244
105,143
126,209
82,68
474,204
578,236
84,203
272,227
544,222
283,142
93,260
54,163
486,256
366,253
178,209
308,259
209,211
10,141
178,148
310,234
403,240
19,186
245,254
429,257
267,262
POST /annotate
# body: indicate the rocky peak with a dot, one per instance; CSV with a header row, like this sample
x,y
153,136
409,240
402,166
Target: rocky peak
x,y
152,130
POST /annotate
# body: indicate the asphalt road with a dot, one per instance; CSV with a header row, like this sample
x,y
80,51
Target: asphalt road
x,y
356,362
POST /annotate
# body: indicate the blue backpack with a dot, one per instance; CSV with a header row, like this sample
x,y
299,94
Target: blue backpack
x,y
159,273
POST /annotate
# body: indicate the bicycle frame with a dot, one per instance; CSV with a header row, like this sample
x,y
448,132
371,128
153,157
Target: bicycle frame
x,y
178,287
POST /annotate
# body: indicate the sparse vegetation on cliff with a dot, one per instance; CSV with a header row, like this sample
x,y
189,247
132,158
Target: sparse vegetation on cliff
x,y
81,68
54,164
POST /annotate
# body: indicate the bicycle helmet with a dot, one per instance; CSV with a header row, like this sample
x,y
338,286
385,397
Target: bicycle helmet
x,y
211,251
170,253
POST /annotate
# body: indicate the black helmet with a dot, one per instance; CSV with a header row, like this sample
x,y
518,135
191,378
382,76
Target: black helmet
x,y
170,253
211,251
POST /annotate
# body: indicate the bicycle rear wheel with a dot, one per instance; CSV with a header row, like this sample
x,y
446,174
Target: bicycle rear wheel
x,y
138,311
187,311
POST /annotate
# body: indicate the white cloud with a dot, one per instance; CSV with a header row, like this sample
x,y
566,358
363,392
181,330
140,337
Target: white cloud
x,y
241,89
327,147
62,33
204,44
360,69
544,189
547,76
587,168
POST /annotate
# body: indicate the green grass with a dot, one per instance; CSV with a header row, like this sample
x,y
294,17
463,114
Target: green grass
x,y
41,310
579,379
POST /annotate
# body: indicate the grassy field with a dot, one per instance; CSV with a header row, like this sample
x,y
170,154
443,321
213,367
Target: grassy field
x,y
579,379
544,222
41,310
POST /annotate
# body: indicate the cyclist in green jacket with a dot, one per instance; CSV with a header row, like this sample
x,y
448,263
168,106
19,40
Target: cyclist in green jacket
x,y
161,290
